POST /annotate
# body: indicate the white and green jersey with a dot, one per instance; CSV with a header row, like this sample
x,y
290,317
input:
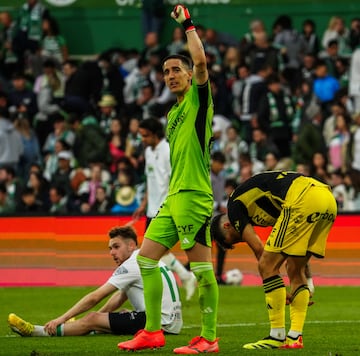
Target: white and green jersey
x,y
127,278
189,132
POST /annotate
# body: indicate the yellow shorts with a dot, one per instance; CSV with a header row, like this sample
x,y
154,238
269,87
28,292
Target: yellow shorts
x,y
305,220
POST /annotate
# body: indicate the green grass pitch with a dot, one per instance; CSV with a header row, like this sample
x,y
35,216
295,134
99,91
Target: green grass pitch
x,y
332,327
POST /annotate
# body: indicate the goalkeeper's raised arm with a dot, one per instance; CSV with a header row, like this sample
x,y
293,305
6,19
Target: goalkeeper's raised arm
x,y
196,49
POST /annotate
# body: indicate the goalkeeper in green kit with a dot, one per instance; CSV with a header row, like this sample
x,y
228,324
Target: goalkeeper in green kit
x,y
186,212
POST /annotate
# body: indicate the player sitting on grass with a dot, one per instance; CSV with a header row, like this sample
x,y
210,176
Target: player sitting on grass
x,y
125,284
301,211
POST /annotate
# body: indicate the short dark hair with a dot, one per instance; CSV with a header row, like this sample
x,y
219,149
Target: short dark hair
x,y
184,59
154,126
126,232
218,156
217,234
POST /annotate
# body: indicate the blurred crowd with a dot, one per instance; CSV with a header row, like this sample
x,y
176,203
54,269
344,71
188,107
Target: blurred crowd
x,y
284,98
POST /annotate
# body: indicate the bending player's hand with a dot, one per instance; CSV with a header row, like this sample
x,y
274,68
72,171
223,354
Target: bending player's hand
x,y
182,16
50,326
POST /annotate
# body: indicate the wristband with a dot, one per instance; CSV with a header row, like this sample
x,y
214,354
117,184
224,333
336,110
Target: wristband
x,y
188,25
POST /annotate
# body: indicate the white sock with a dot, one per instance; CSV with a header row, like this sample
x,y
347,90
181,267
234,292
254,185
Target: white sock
x,y
176,266
293,334
278,333
39,331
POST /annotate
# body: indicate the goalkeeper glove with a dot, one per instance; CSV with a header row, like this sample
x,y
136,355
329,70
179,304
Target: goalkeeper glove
x,y
181,15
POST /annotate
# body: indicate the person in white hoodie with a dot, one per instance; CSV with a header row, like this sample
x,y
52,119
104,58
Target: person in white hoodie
x,y
11,146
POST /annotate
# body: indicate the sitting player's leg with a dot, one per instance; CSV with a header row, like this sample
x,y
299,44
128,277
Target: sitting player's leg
x,y
187,278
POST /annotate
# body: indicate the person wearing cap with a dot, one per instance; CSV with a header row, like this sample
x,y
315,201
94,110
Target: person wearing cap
x,y
61,176
107,112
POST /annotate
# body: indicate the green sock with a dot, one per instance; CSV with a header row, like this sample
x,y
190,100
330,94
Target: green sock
x,y
151,276
60,330
208,297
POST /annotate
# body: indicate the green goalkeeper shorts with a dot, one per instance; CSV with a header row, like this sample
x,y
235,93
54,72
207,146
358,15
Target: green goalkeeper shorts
x,y
183,217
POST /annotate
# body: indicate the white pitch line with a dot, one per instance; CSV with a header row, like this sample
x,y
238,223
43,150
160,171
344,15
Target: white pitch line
x,y
246,324
254,324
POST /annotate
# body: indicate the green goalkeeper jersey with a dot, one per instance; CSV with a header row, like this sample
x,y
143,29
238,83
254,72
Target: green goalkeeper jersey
x,y
189,132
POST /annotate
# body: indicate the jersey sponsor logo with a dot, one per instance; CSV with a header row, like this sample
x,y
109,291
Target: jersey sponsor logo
x,y
260,220
120,270
314,217
185,229
174,124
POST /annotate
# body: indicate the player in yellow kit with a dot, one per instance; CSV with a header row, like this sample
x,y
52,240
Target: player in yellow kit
x,y
301,211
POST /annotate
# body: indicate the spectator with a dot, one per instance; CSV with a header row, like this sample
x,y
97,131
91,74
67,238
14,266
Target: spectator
x,y
354,78
339,142
354,33
329,56
134,148
28,203
152,16
275,113
32,153
309,139
22,100
153,47
51,159
58,200
261,53
337,30
309,36
40,186
102,203
77,94
308,67
177,44
49,88
261,145
12,182
254,89
107,111
134,81
9,60
103,77
232,146
53,44
11,145
28,37
7,206
117,143
256,28
230,64
294,46
88,188
125,200
319,167
90,141
325,87
353,156
61,176
60,132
